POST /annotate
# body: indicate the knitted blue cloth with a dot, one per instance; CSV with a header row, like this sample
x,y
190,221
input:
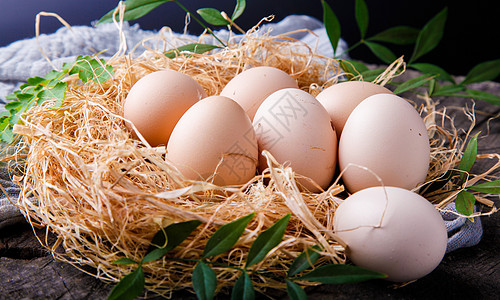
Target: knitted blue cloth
x,y
462,232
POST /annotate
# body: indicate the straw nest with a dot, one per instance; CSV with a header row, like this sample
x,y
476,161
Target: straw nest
x,y
105,194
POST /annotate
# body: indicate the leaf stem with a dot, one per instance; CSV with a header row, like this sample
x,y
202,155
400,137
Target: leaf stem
x,y
205,261
357,44
231,23
200,22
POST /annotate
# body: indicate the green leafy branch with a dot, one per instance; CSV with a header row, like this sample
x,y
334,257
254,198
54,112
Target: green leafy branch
x,y
438,82
224,239
215,17
37,90
135,9
465,199
436,79
188,49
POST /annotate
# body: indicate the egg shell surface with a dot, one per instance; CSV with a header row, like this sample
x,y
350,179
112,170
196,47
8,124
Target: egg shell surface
x,y
393,231
296,129
385,134
157,101
214,136
250,87
340,99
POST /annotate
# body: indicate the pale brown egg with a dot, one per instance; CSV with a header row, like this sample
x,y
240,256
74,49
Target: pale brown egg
x,y
296,129
214,141
252,86
384,142
157,101
340,99
393,231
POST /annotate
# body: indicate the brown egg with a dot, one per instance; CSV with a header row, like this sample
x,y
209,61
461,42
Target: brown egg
x,y
340,99
157,101
386,135
296,129
252,86
393,231
215,141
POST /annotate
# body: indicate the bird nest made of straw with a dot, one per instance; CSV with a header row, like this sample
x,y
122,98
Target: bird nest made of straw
x,y
105,194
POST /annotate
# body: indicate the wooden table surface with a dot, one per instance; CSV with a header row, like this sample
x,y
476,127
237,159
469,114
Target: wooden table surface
x,y
28,271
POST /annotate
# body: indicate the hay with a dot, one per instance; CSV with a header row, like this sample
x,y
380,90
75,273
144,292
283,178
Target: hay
x,y
105,194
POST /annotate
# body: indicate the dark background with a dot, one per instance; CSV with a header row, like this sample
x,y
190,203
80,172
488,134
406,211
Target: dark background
x,y
471,31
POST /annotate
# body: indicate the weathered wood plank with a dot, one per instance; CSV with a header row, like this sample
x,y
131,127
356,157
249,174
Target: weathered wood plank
x,y
28,271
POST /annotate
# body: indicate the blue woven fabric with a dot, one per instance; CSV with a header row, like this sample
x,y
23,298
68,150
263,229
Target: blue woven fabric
x,y
462,232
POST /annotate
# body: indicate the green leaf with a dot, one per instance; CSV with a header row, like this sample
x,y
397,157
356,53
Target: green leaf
x,y
243,288
12,96
340,273
154,255
238,9
12,105
482,95
465,203
172,235
129,287
89,68
352,67
431,69
125,261
362,17
490,187
304,261
7,135
358,66
382,52
196,48
371,75
212,16
226,236
58,92
332,25
35,80
433,85
55,75
26,103
469,156
134,9
4,122
449,90
485,71
266,241
14,119
399,35
204,281
35,91
413,83
295,291
430,36
168,238
25,97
